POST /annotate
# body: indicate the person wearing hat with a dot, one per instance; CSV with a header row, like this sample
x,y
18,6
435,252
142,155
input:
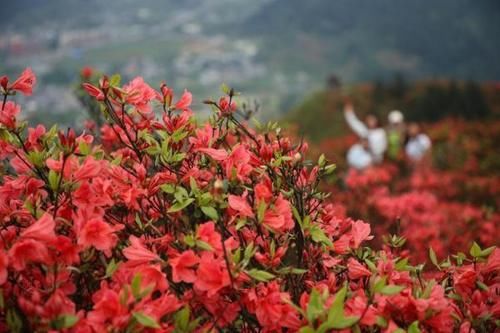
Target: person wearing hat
x,y
395,133
369,130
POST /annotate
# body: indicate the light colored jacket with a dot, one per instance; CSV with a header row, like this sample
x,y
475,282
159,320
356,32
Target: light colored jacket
x,y
377,138
358,157
417,147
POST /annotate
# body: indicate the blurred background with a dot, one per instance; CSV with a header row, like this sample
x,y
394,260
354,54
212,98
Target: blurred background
x,y
430,58
436,61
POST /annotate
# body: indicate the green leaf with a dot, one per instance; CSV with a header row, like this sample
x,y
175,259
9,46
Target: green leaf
x,y
428,289
381,321
53,180
211,212
14,323
111,268
315,307
486,252
377,287
413,328
138,221
179,134
145,320
178,206
236,256
64,321
307,329
336,317
345,322
84,148
180,194
402,265
261,209
475,250
189,240
249,251
114,80
391,289
136,286
482,286
336,311
297,215
241,223
193,185
259,275
329,169
168,188
182,318
204,245
433,257
370,265
321,160
225,88
319,236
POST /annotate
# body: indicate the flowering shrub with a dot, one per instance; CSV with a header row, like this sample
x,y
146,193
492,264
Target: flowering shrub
x,y
169,226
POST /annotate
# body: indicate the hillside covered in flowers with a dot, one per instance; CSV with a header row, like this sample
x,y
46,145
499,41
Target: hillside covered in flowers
x,y
157,223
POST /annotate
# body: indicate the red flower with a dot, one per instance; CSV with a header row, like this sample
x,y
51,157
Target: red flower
x,y
360,232
42,230
4,263
206,232
93,91
8,115
183,266
24,83
216,154
86,72
356,270
97,233
68,251
493,263
279,218
269,305
139,94
240,205
28,251
185,101
212,274
225,107
138,253
263,191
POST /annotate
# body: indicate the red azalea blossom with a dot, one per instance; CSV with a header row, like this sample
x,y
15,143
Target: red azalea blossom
x,y
24,83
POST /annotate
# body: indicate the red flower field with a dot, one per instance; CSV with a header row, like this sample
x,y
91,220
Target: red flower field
x,y
161,224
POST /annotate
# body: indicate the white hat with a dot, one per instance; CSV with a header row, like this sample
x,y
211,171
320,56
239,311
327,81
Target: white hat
x,y
395,117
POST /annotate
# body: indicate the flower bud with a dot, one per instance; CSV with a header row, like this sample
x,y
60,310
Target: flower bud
x,y
297,157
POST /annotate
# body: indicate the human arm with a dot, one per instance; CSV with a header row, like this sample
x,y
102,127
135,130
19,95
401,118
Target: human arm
x,y
354,123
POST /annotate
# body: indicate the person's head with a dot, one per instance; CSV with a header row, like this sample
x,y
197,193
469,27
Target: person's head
x,y
413,129
371,121
395,118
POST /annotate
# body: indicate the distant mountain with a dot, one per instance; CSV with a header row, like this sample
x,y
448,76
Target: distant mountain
x,y
361,39
276,51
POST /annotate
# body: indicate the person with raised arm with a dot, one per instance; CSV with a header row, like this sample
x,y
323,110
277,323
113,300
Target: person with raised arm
x,y
369,130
